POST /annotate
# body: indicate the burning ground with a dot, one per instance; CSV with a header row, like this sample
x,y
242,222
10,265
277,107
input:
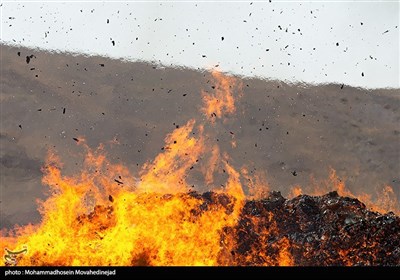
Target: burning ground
x,y
199,195
90,221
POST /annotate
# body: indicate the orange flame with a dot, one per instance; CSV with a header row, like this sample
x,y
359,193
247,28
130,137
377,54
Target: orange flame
x,y
295,191
221,101
257,183
212,165
258,254
385,201
166,174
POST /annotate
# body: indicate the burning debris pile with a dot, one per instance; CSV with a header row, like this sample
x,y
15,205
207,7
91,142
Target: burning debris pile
x,y
320,231
106,216
327,230
304,231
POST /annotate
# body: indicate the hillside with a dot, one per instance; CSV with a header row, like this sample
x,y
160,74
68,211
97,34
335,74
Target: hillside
x,y
290,132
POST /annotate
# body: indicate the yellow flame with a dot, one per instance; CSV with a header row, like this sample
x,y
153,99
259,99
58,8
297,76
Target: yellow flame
x,y
126,226
166,174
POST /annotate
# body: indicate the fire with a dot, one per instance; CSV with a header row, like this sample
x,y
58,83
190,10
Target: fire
x,y
92,220
166,174
257,184
384,202
106,216
221,100
262,252
212,165
295,191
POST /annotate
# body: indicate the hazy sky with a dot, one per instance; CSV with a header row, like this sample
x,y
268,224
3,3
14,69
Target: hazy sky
x,y
355,43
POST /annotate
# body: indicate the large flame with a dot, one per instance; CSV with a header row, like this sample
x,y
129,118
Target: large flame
x,y
107,216
92,220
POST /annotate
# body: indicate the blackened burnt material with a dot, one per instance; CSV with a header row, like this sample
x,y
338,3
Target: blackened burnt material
x,y
321,231
328,230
